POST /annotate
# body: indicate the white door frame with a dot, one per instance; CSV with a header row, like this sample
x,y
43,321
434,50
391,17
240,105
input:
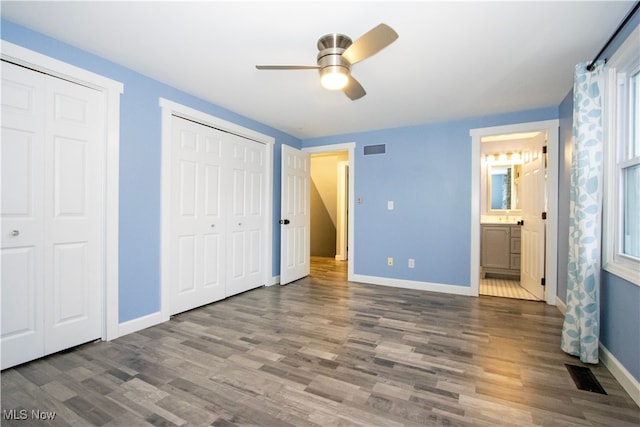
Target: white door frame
x,y
349,147
343,212
170,108
109,203
553,143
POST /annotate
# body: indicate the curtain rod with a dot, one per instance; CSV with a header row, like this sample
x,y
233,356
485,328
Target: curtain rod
x,y
590,67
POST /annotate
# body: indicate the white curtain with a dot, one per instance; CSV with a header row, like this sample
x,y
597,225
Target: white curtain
x,y
580,331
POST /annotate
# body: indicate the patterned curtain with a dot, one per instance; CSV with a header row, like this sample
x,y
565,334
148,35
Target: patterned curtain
x,y
580,331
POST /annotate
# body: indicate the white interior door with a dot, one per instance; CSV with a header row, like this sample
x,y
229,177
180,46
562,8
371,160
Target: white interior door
x,y
52,134
246,215
295,215
197,220
22,215
533,205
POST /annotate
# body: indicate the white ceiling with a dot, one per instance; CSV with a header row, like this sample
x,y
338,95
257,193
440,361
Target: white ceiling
x,y
452,59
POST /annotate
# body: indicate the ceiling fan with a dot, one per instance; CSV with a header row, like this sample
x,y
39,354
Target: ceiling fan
x,y
338,53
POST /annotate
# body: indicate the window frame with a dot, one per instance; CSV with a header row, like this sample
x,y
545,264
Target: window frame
x,y
618,71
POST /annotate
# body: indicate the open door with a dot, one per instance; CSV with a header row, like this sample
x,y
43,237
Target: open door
x,y
533,211
295,215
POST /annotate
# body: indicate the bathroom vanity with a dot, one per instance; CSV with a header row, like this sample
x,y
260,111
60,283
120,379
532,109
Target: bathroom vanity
x,y
500,250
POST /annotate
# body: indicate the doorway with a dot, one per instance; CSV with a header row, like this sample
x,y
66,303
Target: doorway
x,y
332,170
502,220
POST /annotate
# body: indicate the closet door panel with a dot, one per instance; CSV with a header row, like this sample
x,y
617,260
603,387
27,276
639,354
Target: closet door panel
x,y
74,119
197,220
247,214
21,211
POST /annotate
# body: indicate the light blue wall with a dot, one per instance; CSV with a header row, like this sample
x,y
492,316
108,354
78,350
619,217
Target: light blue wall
x,y
620,320
140,137
426,172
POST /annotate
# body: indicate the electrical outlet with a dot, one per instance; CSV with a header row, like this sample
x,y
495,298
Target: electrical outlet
x,y
412,263
390,205
390,261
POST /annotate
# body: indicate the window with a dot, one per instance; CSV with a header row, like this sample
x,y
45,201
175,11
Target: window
x,y
621,230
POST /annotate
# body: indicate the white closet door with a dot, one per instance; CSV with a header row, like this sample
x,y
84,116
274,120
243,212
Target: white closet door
x,y
246,215
198,226
52,134
22,154
73,239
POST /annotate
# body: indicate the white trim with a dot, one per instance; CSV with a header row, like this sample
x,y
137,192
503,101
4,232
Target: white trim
x,y
350,147
625,61
112,91
412,284
140,323
561,306
275,280
170,108
551,265
342,212
620,373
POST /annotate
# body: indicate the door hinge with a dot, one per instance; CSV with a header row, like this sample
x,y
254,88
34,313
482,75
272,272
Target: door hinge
x,y
544,149
542,282
544,215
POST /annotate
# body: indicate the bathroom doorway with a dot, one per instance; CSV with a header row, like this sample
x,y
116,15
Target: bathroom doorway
x,y
512,245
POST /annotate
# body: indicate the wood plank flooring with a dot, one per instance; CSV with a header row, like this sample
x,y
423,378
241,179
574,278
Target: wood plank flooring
x,y
324,352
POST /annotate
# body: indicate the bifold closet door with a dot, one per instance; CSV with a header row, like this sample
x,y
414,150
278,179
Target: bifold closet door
x,y
52,136
246,215
198,225
217,215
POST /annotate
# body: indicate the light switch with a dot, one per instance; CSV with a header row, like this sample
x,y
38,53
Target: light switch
x,y
390,205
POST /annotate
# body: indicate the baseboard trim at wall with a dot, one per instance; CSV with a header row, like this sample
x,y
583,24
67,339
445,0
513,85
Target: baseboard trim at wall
x,y
620,373
274,280
413,284
140,323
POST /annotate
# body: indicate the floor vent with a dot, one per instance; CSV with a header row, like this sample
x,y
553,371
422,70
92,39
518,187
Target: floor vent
x,y
584,379
374,149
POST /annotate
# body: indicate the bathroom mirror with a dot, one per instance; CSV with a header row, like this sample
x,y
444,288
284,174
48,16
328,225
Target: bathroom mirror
x,y
503,187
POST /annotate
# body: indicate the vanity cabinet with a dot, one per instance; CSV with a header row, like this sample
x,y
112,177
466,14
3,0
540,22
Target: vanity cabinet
x,y
500,250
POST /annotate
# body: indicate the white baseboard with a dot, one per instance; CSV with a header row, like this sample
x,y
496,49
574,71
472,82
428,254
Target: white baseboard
x,y
620,373
562,307
413,284
140,323
274,280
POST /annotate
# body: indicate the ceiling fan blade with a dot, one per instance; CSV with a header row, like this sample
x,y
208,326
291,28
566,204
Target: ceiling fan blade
x,y
354,89
370,43
287,67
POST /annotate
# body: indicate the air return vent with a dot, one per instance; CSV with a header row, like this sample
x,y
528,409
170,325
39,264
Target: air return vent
x,y
584,379
374,149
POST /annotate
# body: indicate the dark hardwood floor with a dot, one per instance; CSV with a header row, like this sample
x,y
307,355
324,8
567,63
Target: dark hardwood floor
x,y
324,352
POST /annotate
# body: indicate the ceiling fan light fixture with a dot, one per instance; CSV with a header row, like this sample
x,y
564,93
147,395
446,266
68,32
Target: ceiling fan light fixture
x,y
334,77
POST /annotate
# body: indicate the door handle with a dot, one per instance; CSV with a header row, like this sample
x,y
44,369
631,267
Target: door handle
x,y
15,233
284,221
